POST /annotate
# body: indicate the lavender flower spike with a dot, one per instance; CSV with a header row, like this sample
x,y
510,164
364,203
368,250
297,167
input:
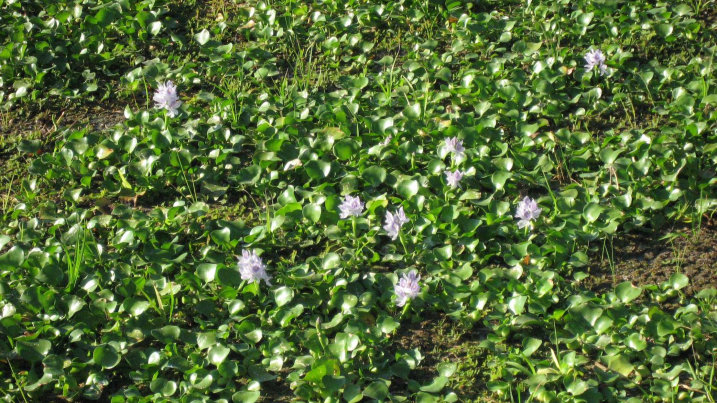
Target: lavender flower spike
x,y
455,146
595,58
394,222
352,206
407,288
252,269
166,98
453,178
526,212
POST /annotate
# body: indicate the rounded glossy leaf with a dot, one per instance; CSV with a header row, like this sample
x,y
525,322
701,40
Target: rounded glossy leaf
x,y
312,212
106,356
374,175
636,342
246,397
412,111
377,390
217,354
408,188
678,281
202,37
345,149
592,211
627,292
163,386
12,259
33,350
283,295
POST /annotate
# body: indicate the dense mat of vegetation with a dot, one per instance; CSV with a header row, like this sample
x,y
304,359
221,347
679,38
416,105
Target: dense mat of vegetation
x,y
337,185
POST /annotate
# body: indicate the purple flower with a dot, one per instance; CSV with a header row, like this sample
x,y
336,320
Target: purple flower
x,y
166,98
595,58
252,269
453,178
407,288
527,211
351,206
455,146
385,142
394,222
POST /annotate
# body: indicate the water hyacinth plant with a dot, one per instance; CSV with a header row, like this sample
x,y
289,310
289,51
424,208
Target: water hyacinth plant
x,y
595,58
166,98
252,269
135,221
407,287
453,178
394,222
527,212
455,146
351,207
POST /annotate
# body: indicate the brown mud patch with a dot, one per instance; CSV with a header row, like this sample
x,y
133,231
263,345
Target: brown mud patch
x,y
440,339
651,258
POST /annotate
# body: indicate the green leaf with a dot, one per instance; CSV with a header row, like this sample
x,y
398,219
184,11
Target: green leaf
x,y
217,354
12,259
333,383
408,188
331,261
412,111
374,175
444,253
678,281
106,356
636,342
352,394
316,374
387,324
591,315
317,169
592,212
206,271
138,307
377,390
33,350
664,30
585,18
167,334
283,295
246,397
102,151
312,212
29,146
206,340
531,345
345,149
163,386
621,364
384,125
528,130
154,28
202,37
436,386
422,397
499,178
221,236
516,304
228,277
627,292
74,305
608,155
